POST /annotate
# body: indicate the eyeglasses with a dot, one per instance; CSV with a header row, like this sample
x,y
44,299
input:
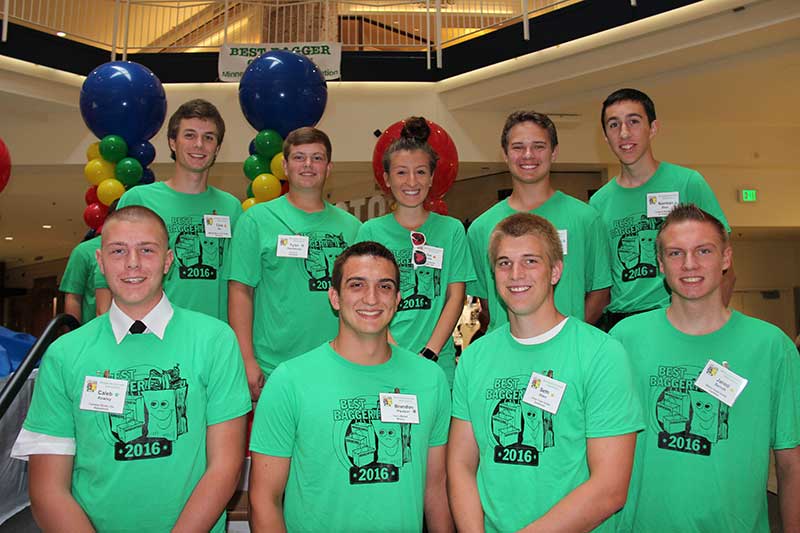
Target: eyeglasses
x,y
418,256
417,238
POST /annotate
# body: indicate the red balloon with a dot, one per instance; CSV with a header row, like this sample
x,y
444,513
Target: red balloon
x,y
440,141
5,165
91,195
437,205
95,214
284,187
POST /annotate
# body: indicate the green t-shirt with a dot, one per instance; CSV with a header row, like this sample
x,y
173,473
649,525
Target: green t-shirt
x,y
531,459
638,285
423,288
79,276
197,279
701,465
586,263
136,471
350,471
291,312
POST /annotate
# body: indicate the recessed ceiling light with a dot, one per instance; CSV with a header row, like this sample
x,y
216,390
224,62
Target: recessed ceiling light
x,y
47,226
9,238
61,34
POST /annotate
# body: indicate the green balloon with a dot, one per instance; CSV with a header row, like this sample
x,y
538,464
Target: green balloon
x,y
250,190
255,165
268,143
113,148
128,171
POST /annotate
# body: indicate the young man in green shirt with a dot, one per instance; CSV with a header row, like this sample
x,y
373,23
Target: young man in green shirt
x,y
199,218
353,432
283,254
544,413
634,204
137,419
77,283
530,147
702,460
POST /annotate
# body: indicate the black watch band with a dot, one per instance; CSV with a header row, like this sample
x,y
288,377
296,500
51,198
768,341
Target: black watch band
x,y
427,353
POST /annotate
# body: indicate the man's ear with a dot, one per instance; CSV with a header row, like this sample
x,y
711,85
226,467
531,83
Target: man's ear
x,y
333,298
98,256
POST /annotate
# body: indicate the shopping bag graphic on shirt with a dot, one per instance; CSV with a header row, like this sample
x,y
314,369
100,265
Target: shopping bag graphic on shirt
x,y
521,432
154,416
685,418
323,249
636,246
418,286
370,450
197,255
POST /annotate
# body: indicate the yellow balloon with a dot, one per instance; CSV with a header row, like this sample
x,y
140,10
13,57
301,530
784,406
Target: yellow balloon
x,y
97,170
276,166
247,204
93,152
109,190
266,187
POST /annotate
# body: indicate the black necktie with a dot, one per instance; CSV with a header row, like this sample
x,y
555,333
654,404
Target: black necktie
x,y
137,327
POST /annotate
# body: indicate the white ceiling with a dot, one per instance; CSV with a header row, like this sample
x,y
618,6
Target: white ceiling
x,y
749,75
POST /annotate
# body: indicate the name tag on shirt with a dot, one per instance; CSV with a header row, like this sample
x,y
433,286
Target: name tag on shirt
x,y
429,256
104,395
562,236
292,246
544,392
217,226
400,408
720,382
659,204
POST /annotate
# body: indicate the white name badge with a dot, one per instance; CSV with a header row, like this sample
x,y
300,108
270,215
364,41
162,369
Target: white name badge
x,y
104,395
400,408
721,383
429,256
292,246
659,204
544,392
562,236
217,226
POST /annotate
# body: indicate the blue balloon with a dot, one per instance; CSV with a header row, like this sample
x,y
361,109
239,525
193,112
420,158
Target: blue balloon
x,y
282,91
252,147
148,176
123,98
144,152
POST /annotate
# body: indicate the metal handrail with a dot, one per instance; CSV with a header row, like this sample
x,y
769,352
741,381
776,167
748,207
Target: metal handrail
x,y
17,379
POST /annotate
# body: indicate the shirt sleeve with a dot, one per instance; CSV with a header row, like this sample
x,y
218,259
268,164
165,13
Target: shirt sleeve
x,y
275,421
480,259
462,269
442,425
364,233
30,443
786,413
228,393
701,194
612,404
598,268
131,197
246,251
461,387
77,272
51,407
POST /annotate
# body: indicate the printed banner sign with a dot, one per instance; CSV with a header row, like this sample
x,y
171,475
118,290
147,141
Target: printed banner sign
x,y
234,58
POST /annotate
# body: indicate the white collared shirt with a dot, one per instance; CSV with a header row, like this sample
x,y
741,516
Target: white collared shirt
x,y
32,443
156,320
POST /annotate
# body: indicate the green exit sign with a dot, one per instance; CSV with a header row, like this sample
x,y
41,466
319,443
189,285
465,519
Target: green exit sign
x,y
748,195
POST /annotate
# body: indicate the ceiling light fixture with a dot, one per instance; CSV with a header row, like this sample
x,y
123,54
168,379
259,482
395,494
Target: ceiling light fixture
x,y
61,34
9,238
47,226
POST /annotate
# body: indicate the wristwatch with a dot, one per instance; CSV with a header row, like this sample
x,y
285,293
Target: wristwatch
x,y
427,353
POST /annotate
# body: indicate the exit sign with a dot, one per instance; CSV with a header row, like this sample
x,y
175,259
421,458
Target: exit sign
x,y
748,195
